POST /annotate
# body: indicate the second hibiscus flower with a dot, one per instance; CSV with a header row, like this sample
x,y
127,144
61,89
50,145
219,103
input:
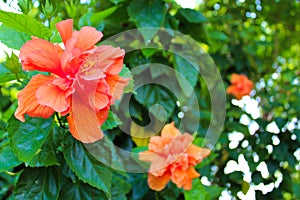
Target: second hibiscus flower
x,y
83,80
173,157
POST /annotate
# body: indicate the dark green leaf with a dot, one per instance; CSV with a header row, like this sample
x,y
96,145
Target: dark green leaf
x,y
8,159
192,16
12,38
27,138
25,24
188,75
147,14
38,183
280,122
47,155
85,166
120,188
80,191
150,95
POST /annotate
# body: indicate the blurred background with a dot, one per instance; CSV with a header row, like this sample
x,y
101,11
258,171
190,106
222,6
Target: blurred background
x,y
258,152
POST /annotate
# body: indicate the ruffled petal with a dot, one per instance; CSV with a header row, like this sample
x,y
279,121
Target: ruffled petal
x,y
83,122
196,154
87,37
170,130
101,99
107,58
191,174
65,29
53,96
39,54
27,101
158,183
116,86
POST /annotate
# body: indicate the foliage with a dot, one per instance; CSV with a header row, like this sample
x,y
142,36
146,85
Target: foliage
x,y
40,160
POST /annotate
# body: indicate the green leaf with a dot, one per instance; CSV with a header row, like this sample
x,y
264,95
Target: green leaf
x,y
27,138
120,188
47,155
217,35
187,74
25,24
197,191
6,75
147,14
38,183
80,191
192,16
213,191
280,122
12,38
96,19
8,159
105,151
85,166
150,95
111,122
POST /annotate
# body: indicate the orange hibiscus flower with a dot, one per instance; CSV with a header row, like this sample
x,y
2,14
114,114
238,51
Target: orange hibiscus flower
x,y
83,80
240,86
173,157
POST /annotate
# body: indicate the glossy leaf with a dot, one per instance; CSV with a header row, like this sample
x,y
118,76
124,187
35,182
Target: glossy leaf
x,y
26,139
147,14
12,38
25,24
38,183
149,95
187,74
8,159
80,191
85,166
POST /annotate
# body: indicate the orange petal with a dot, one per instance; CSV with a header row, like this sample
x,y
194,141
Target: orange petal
x,y
192,173
158,183
102,115
196,154
51,95
170,131
27,100
65,29
116,85
83,121
101,99
148,156
39,54
156,144
181,143
235,78
108,58
87,37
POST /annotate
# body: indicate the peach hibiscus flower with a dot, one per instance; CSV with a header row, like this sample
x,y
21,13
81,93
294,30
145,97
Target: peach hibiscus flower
x,y
83,80
173,157
240,86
